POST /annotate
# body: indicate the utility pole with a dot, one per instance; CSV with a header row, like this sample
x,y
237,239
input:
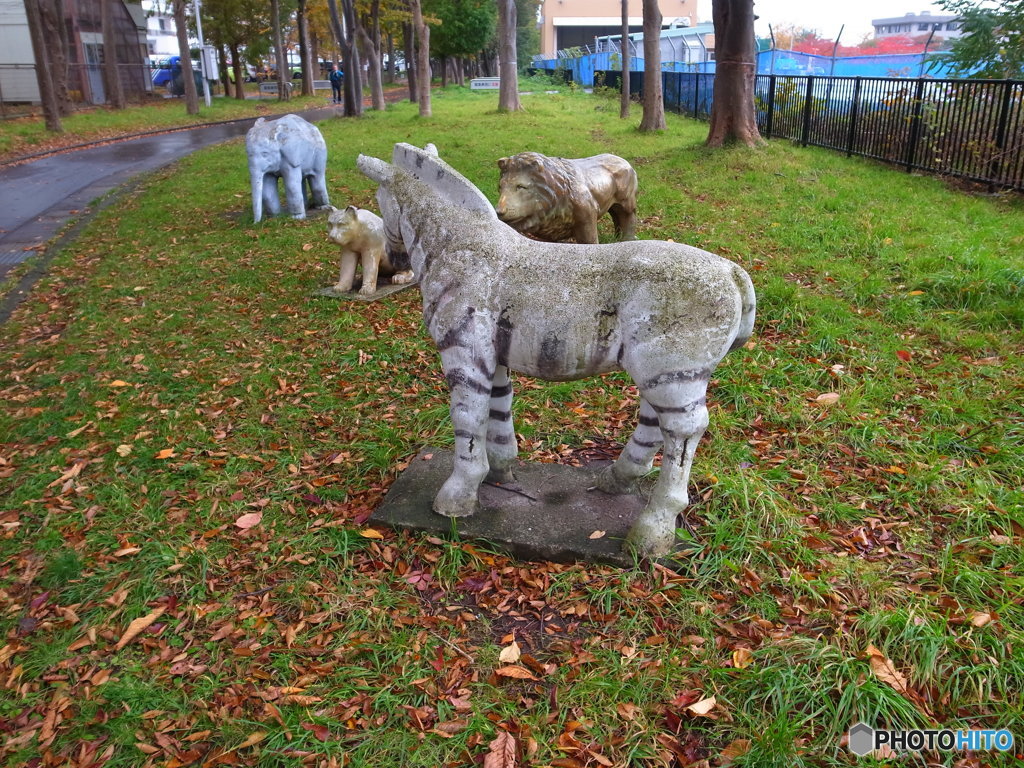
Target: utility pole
x,y
202,53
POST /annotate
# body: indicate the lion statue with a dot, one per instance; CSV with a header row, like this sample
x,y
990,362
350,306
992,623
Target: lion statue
x,y
360,234
555,199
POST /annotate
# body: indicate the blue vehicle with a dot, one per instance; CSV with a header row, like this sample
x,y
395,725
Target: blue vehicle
x,y
169,76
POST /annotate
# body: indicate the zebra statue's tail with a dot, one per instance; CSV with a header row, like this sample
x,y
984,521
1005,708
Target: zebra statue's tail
x,y
748,307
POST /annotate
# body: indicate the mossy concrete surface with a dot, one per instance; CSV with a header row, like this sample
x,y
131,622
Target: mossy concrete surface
x,y
552,512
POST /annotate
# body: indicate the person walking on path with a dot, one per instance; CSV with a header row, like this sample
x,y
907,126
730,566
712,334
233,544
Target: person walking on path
x,y
337,79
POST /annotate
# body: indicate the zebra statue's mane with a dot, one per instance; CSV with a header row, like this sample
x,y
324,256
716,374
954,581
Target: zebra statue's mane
x,y
425,165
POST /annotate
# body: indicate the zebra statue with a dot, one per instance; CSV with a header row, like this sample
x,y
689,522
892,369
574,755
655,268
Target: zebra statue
x,y
494,301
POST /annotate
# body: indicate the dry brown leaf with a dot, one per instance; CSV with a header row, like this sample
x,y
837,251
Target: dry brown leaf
x,y
742,658
735,749
885,670
249,520
515,671
597,535
119,383
981,618
449,728
166,453
510,654
628,711
137,627
501,752
827,398
702,707
371,533
254,738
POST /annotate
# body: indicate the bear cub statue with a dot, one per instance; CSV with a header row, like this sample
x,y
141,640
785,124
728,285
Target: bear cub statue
x,y
360,233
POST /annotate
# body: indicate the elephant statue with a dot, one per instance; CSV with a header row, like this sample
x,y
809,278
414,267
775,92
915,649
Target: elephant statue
x,y
292,149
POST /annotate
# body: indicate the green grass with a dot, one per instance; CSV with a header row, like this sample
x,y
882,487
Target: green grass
x,y
890,518
28,135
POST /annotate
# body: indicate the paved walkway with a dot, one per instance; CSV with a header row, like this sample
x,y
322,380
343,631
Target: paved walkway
x,y
41,196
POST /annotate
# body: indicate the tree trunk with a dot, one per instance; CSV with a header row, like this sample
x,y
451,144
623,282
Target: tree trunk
x,y
350,62
283,75
111,75
44,75
55,41
654,106
410,60
624,55
371,44
304,59
185,56
508,67
236,63
389,72
353,62
733,119
460,70
222,62
422,58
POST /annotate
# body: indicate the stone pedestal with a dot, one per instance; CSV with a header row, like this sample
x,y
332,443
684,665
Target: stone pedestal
x,y
354,295
549,513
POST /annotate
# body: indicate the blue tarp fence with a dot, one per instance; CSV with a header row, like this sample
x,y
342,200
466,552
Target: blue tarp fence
x,y
778,62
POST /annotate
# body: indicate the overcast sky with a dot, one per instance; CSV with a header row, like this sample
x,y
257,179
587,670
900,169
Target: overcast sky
x,y
826,16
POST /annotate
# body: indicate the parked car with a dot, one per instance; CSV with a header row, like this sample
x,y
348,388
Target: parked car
x,y
169,75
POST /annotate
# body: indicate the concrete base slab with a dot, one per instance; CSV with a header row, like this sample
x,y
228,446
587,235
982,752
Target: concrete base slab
x,y
354,295
549,513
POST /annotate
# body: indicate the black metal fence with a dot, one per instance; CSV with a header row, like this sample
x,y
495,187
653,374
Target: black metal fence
x,y
967,129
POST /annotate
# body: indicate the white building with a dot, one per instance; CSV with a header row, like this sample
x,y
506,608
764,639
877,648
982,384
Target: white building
x,y
161,34
914,25
17,62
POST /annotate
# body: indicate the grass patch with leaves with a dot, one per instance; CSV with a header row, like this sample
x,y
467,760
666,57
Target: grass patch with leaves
x,y
857,497
28,135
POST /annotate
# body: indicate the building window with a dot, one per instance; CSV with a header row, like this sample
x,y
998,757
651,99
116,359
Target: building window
x,y
923,27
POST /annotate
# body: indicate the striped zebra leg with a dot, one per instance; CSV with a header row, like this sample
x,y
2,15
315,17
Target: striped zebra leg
x,y
501,435
683,415
469,378
637,457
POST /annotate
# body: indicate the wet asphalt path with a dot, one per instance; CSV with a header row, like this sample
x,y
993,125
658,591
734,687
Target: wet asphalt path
x,y
40,196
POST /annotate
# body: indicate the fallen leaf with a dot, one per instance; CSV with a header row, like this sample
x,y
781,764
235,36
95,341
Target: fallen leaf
x,y
119,383
742,658
123,449
515,671
903,355
448,729
628,711
702,707
501,752
915,293
596,535
510,654
137,627
371,533
884,670
736,748
166,453
254,738
827,398
981,618
249,520
127,551
307,246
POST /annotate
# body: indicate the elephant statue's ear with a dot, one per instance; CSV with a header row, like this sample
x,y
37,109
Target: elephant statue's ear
x,y
503,163
375,169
